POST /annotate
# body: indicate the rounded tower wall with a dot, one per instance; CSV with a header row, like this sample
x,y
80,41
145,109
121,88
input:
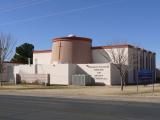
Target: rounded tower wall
x,y
72,50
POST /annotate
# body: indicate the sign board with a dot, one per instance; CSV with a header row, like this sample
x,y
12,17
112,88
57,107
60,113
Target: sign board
x,y
145,74
99,72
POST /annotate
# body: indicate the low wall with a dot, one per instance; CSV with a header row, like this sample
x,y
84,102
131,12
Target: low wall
x,y
102,74
8,73
35,78
58,73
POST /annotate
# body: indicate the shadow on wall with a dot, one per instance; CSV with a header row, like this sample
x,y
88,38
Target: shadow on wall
x,y
93,83
105,55
10,74
105,59
108,59
81,71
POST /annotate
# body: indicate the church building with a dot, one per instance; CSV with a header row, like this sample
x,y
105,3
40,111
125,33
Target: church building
x,y
73,60
74,55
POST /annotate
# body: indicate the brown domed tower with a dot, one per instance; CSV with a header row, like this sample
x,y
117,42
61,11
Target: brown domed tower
x,y
71,50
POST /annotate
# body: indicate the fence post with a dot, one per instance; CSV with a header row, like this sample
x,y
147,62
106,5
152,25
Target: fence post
x,y
48,80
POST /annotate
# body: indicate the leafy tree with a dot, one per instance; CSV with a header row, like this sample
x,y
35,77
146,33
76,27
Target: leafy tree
x,y
23,52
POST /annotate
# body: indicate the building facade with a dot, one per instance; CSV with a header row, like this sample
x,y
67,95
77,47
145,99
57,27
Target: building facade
x,y
78,51
74,55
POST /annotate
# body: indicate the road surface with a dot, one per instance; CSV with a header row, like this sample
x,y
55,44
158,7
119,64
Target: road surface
x,y
43,108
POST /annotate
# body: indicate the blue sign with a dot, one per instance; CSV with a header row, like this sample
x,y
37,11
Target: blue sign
x,y
145,74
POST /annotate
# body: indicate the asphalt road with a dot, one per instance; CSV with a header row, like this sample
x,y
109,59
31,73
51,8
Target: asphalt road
x,y
40,108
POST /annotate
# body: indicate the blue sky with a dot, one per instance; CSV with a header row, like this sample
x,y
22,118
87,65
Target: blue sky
x,y
38,21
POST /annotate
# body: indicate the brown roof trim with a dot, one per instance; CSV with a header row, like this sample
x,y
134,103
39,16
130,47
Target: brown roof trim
x,y
70,39
121,46
42,51
113,46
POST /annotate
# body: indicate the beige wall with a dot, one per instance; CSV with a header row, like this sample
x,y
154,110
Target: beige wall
x,y
42,58
58,73
137,59
8,73
98,55
99,72
115,76
62,73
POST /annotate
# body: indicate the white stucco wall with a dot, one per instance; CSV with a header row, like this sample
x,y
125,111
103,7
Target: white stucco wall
x,y
115,76
98,56
104,55
58,73
132,63
72,71
42,58
99,72
62,73
8,73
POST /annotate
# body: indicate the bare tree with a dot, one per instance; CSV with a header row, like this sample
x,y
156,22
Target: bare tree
x,y
6,46
119,59
122,60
